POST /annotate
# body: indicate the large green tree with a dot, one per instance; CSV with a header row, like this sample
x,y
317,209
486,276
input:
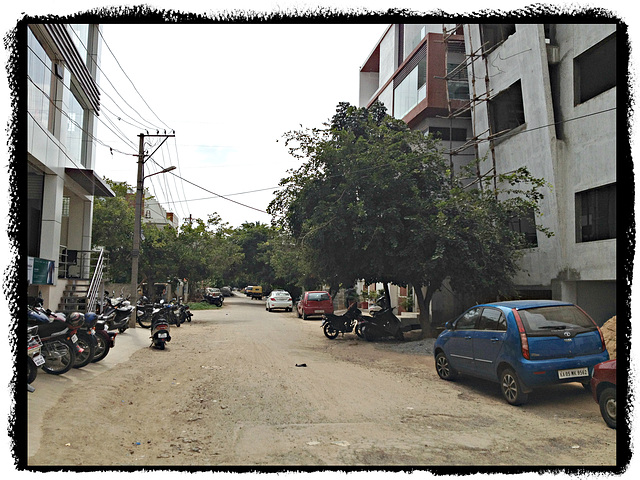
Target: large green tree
x,y
375,200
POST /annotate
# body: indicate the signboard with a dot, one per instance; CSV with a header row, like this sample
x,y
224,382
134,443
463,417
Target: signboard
x,y
40,271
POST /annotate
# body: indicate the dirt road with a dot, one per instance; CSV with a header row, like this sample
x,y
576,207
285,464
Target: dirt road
x,y
229,390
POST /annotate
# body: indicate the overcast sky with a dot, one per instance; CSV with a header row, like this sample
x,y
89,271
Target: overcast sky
x,y
230,92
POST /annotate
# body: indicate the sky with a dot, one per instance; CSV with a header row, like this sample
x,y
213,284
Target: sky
x,y
230,93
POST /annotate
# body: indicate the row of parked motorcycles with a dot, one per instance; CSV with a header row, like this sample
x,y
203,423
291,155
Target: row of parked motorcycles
x,y
380,324
59,342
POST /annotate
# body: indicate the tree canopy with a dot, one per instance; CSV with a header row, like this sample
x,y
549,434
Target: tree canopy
x,y
374,200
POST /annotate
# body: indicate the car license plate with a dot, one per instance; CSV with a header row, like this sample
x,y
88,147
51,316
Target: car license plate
x,y
573,372
319,311
38,360
162,335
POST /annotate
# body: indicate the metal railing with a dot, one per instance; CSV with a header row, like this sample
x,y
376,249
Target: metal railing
x,y
96,281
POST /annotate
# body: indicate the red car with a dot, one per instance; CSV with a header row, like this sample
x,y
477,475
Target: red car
x,y
603,387
315,304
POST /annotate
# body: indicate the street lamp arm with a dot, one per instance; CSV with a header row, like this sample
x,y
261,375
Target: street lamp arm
x,y
168,169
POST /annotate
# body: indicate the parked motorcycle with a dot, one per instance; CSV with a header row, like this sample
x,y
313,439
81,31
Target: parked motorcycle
x,y
380,324
160,327
35,359
333,324
213,299
58,340
144,312
116,312
183,313
106,339
86,340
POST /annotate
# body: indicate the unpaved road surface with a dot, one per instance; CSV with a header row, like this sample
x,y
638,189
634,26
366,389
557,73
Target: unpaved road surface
x,y
227,392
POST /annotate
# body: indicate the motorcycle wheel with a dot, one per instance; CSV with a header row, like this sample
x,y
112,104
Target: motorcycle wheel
x,y
88,350
367,334
59,356
329,331
102,348
32,370
144,321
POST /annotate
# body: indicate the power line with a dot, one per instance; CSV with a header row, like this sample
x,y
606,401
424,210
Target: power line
x,y
132,84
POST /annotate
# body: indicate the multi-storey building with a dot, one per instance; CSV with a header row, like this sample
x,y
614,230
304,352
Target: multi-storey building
x,y
544,96
536,95
61,119
418,71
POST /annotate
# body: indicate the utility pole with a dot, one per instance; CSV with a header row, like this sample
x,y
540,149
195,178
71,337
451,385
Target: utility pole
x,y
135,251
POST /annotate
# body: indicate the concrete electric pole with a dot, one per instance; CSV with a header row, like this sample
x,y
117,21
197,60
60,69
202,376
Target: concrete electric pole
x,y
135,252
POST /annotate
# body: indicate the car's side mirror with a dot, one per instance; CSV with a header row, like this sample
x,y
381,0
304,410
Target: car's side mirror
x,y
449,326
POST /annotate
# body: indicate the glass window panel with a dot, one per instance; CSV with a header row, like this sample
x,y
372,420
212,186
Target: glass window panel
x,y
39,67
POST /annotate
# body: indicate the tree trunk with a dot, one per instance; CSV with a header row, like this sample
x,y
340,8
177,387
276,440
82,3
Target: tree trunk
x,y
424,302
387,295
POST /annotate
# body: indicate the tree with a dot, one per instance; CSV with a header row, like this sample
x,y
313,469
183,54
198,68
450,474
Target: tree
x,y
375,200
113,220
198,250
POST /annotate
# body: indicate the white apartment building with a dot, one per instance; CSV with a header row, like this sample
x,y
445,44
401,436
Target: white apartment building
x,y
545,97
63,101
542,96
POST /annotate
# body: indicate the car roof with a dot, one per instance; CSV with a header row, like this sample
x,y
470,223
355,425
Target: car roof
x,y
524,304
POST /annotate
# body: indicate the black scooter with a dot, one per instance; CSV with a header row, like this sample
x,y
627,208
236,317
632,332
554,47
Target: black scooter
x,y
332,324
380,325
160,327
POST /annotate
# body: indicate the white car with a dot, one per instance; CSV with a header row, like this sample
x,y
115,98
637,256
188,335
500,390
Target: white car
x,y
279,299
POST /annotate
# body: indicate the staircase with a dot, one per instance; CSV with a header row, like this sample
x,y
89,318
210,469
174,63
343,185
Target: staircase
x,y
80,294
74,297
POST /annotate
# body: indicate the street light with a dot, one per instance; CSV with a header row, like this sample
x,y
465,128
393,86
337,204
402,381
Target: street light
x,y
135,252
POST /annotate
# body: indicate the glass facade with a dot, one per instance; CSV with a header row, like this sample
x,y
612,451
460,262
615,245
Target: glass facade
x,y
80,35
73,121
39,68
411,91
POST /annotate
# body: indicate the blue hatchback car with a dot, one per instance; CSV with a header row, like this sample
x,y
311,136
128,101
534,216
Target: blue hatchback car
x,y
521,345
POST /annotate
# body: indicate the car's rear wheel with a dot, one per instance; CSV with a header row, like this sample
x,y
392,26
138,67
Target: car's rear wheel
x,y
512,388
443,367
608,406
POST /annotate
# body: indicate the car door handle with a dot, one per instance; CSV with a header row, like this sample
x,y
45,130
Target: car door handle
x,y
467,338
495,340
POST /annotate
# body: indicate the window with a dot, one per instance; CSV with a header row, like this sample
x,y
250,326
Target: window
x,y
506,110
40,83
494,34
79,34
318,297
596,214
526,225
492,319
74,126
410,86
66,202
446,133
468,320
595,70
457,84
35,189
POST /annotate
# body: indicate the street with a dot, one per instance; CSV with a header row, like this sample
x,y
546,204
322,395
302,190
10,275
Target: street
x,y
240,386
